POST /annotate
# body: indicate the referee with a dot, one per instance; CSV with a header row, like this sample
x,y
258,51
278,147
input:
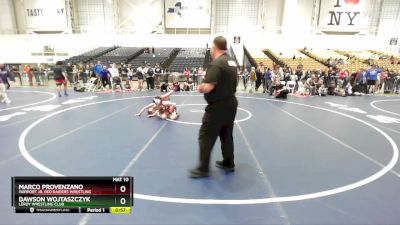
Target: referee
x,y
219,88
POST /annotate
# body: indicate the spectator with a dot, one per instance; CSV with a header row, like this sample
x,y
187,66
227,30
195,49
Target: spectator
x,y
175,86
186,73
60,78
70,73
4,74
15,73
245,77
105,77
29,74
258,78
311,84
372,78
43,75
267,78
252,79
188,85
194,77
36,73
150,78
140,71
83,74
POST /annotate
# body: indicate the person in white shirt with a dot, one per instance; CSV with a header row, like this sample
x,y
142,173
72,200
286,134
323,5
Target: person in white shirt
x,y
115,78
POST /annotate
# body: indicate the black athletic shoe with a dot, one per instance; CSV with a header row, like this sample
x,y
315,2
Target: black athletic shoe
x,y
197,173
227,168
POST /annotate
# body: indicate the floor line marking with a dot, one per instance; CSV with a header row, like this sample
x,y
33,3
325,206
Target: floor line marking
x,y
264,176
372,104
85,219
339,141
308,196
61,136
35,103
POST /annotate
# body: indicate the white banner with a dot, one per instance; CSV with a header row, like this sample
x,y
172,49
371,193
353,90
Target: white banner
x,y
344,15
187,13
45,15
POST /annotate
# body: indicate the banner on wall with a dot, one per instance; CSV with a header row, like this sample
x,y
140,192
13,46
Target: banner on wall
x,y
45,15
187,13
344,15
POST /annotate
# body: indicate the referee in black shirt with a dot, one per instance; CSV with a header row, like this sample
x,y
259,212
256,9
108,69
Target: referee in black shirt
x,y
219,88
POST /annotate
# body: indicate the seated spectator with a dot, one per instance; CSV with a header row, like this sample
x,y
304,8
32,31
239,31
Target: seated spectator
x,y
276,81
321,88
311,84
332,90
176,86
165,87
188,85
281,91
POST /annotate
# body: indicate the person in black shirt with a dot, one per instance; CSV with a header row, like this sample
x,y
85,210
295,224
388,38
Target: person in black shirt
x,y
59,78
70,74
4,76
219,88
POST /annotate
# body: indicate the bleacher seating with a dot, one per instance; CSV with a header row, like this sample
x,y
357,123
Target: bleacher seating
x,y
118,55
286,56
352,65
384,62
355,60
261,59
188,58
160,56
87,55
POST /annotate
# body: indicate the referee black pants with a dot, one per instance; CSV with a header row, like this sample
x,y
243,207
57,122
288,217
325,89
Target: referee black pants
x,y
218,121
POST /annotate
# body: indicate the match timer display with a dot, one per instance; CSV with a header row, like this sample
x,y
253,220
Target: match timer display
x,y
72,194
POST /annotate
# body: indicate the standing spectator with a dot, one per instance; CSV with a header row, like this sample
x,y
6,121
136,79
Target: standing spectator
x,y
130,77
16,73
59,78
252,79
70,73
372,77
98,68
186,73
150,78
83,73
258,78
36,73
29,74
267,79
91,71
200,75
245,77
4,74
278,71
158,75
43,75
194,77
140,74
75,72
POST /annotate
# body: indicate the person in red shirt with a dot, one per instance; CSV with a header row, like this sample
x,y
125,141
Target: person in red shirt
x,y
28,72
186,73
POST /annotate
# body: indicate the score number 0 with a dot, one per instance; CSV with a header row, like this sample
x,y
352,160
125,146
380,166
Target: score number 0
x,y
123,190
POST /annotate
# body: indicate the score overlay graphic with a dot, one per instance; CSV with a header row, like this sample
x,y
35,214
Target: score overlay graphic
x,y
72,194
